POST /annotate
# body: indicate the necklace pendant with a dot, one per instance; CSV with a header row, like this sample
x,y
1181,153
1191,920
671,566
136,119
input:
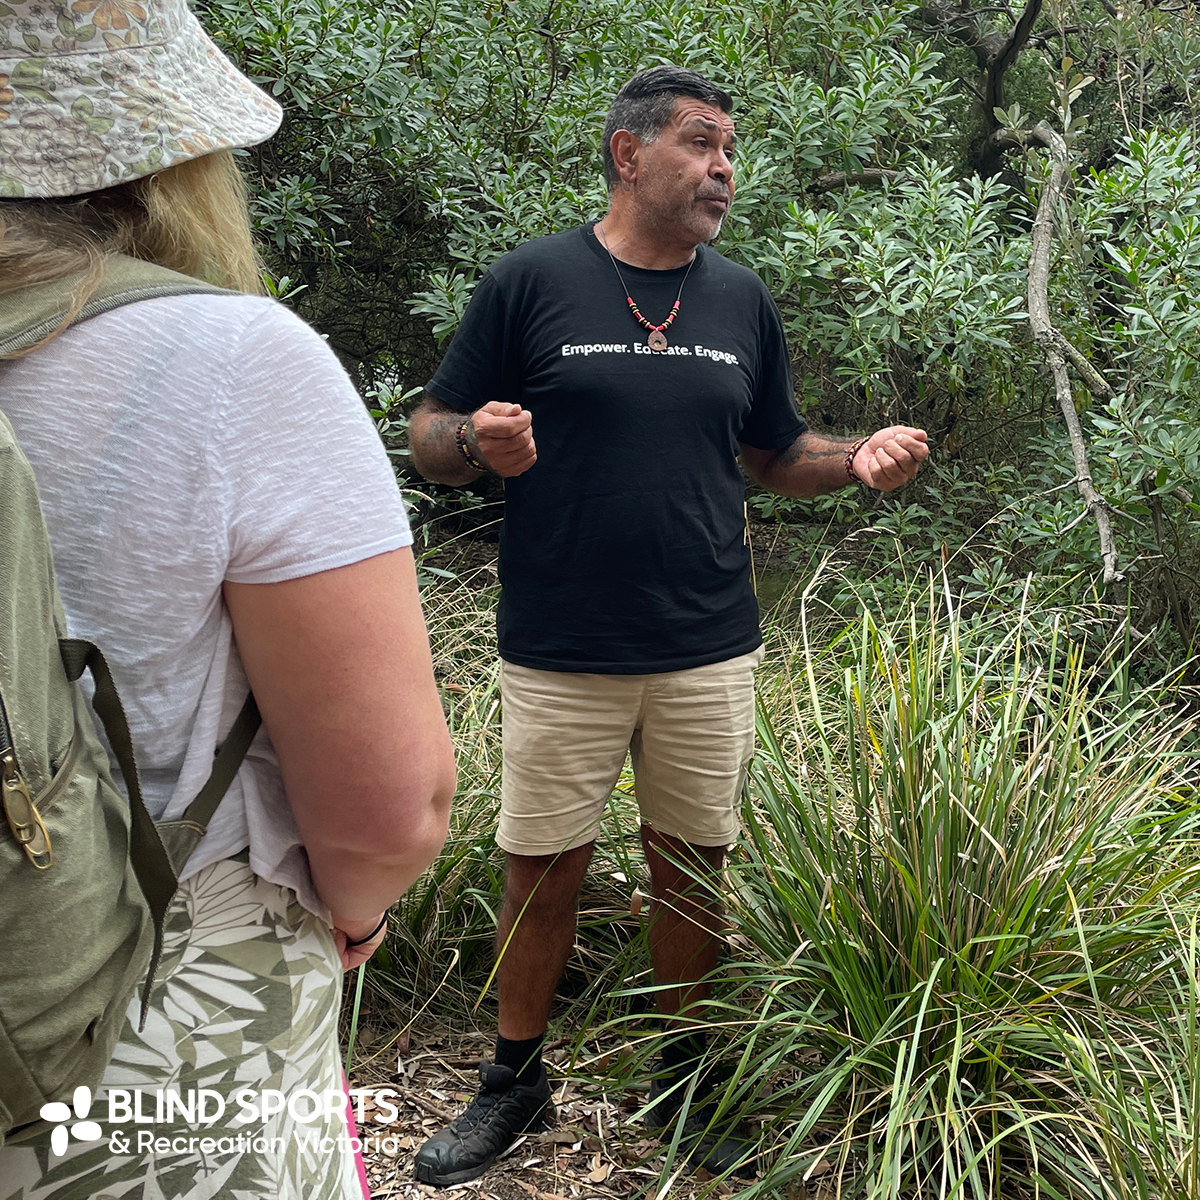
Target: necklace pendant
x,y
657,341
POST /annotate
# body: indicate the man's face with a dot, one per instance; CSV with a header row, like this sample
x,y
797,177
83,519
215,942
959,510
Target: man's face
x,y
685,178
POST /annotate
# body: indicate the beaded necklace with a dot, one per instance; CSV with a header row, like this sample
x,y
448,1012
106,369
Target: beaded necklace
x,y
657,341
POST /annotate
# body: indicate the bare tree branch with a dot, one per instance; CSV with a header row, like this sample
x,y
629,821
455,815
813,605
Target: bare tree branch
x,y
869,177
1004,58
995,53
1053,346
1000,140
1043,39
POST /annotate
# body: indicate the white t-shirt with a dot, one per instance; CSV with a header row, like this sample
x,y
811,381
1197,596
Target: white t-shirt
x,y
178,443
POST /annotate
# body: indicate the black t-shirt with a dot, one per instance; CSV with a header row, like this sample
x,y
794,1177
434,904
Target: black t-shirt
x,y
623,548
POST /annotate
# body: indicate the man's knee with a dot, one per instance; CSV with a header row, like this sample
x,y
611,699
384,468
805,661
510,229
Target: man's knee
x,y
547,881
668,855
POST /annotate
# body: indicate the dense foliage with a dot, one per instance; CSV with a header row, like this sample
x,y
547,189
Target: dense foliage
x,y
887,181
962,953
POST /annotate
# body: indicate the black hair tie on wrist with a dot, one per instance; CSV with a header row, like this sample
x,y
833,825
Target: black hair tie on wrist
x,y
370,936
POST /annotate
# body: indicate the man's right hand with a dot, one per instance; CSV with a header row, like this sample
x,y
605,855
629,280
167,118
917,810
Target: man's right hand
x,y
501,435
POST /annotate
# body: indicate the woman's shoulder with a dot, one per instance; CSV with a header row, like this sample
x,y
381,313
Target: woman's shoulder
x,y
199,317
232,344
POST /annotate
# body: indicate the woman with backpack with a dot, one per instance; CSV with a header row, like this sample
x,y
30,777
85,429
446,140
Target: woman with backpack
x,y
222,519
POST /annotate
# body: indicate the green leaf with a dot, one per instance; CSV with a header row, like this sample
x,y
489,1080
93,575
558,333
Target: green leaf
x,y
32,92
27,72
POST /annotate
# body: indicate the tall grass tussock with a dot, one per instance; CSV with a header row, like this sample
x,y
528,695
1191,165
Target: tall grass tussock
x,y
964,909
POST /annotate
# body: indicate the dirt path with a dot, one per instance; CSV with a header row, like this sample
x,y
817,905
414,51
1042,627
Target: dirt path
x,y
594,1152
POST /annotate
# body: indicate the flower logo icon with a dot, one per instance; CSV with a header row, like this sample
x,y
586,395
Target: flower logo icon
x,y
84,1131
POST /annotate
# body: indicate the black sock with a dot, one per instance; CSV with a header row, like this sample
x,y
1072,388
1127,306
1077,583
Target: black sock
x,y
683,1052
523,1057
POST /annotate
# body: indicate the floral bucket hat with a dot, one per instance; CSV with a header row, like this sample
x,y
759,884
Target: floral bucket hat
x,y
97,92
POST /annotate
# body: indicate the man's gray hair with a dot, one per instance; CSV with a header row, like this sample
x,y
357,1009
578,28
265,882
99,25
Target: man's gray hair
x,y
644,106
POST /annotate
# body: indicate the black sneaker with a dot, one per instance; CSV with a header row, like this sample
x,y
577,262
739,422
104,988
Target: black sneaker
x,y
719,1151
503,1110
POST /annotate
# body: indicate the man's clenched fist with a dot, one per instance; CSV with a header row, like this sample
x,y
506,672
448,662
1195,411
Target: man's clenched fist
x,y
891,457
501,435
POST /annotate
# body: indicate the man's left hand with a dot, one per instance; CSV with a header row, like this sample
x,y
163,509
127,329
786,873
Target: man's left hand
x,y
891,457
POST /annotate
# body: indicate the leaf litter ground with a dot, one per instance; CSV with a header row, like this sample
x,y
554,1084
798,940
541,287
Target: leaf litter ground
x,y
595,1150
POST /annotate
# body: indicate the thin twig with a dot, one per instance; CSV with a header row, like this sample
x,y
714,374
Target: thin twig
x,y
1054,346
436,1110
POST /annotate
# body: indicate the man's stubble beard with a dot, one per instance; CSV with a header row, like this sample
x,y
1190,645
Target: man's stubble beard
x,y
669,222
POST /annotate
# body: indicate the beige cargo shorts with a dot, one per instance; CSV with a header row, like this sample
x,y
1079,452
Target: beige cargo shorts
x,y
566,734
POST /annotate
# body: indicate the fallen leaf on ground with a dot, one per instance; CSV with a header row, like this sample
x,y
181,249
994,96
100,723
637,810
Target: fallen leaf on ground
x,y
563,1137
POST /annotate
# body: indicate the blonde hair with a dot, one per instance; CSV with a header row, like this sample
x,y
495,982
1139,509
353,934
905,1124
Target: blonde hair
x,y
192,218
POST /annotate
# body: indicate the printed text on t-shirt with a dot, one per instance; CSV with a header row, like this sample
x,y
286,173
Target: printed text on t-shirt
x,y
638,348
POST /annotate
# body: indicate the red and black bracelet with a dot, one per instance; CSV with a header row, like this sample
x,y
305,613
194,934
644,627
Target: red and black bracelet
x,y
854,448
460,440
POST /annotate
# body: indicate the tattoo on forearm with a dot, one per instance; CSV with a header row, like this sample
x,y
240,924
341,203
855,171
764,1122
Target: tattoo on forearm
x,y
431,439
438,428
811,448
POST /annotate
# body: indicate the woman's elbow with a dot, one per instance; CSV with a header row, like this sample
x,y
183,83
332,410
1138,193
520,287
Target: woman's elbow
x,y
419,824
440,802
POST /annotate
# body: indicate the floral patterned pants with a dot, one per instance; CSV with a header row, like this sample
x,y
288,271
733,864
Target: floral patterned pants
x,y
245,1005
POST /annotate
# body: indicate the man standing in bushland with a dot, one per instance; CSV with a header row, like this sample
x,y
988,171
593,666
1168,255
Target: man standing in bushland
x,y
645,363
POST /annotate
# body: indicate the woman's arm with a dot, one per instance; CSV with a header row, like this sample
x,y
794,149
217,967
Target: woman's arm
x,y
339,663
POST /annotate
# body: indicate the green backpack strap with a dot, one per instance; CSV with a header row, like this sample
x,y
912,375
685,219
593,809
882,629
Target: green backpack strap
x,y
156,867
182,835
151,864
30,314
226,765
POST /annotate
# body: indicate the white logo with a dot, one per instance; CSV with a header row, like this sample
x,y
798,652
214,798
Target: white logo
x,y
205,1107
84,1131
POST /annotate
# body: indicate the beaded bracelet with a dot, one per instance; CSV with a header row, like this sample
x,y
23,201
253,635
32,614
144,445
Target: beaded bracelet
x,y
460,440
370,936
855,447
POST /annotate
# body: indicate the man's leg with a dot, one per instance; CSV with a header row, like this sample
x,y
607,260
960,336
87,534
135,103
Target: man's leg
x,y
689,757
685,920
684,944
535,936
565,740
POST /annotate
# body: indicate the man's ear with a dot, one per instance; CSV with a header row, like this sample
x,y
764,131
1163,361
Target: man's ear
x,y
624,148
